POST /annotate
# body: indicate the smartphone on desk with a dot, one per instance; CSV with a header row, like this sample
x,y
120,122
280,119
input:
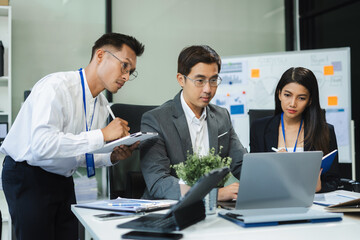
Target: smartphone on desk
x,y
110,216
151,235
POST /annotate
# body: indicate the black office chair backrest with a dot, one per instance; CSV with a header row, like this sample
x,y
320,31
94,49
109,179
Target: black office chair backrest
x,y
259,113
131,113
125,178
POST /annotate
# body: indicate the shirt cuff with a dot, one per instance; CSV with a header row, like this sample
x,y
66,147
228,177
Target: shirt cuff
x,y
96,140
103,160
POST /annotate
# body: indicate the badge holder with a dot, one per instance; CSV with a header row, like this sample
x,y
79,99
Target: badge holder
x,y
90,165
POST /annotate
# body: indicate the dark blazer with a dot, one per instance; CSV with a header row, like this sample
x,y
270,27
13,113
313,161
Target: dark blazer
x,y
174,141
264,134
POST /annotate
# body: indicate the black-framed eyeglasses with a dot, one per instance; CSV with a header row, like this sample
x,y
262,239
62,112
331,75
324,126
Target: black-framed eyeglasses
x,y
125,67
214,82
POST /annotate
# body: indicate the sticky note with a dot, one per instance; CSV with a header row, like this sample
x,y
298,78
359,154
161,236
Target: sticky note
x,y
332,100
328,70
255,73
337,65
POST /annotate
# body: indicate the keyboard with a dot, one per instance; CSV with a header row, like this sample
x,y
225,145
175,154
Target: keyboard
x,y
154,222
163,223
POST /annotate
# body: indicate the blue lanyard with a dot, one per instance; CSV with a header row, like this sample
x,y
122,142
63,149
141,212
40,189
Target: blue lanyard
x,y
84,101
283,131
89,158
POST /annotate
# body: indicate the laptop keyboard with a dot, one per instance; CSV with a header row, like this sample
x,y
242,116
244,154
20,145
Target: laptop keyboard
x,y
163,223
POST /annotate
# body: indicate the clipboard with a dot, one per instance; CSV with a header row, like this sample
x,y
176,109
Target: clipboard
x,y
128,140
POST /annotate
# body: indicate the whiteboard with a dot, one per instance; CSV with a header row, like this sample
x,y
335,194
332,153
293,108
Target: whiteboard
x,y
249,82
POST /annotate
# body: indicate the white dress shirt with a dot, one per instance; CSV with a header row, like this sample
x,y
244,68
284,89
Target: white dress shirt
x,y
291,149
198,129
49,131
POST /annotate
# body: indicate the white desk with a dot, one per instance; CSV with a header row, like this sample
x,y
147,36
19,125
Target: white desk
x,y
214,227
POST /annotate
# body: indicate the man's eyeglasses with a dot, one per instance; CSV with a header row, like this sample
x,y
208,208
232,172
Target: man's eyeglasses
x,y
202,82
125,67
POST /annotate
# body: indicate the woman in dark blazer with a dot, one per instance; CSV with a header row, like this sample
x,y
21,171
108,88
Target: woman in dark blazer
x,y
298,123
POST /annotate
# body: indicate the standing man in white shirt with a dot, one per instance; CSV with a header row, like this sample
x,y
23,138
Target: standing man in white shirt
x,y
62,121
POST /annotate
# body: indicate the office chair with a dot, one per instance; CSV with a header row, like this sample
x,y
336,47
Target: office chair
x,y
345,183
259,113
125,178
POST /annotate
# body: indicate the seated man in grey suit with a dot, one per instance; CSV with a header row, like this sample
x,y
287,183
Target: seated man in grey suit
x,y
187,123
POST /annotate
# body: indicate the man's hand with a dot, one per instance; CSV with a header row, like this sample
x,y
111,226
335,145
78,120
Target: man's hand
x,y
116,129
229,192
122,152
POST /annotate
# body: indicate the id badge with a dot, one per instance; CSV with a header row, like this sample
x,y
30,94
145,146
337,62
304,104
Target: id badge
x,y
90,165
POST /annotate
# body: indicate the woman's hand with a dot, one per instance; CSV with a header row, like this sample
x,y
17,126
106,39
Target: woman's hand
x,y
318,185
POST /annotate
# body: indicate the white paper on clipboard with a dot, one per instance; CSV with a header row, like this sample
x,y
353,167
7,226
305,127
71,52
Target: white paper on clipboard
x,y
128,140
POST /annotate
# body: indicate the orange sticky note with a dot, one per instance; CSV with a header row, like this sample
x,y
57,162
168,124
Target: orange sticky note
x,y
329,70
255,73
332,100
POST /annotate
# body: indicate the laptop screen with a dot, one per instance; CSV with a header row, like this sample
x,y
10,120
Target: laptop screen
x,y
278,180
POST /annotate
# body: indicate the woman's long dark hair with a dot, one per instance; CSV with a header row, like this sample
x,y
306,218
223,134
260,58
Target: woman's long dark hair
x,y
317,136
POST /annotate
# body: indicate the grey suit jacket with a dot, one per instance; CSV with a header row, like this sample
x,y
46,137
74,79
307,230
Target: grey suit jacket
x,y
173,143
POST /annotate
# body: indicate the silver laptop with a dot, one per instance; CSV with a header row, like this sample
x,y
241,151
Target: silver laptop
x,y
276,188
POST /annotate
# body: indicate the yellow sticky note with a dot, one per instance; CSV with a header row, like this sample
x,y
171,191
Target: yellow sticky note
x,y
329,70
255,73
332,100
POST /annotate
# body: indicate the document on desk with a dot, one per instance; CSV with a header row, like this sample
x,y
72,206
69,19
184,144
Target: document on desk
x,y
129,205
349,206
335,197
128,140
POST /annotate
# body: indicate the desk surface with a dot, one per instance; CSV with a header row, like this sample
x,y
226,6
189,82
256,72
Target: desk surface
x,y
214,227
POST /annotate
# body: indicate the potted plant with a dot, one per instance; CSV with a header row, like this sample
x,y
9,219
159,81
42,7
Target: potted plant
x,y
197,166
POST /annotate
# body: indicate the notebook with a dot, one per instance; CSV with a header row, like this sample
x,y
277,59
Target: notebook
x,y
189,210
327,161
277,188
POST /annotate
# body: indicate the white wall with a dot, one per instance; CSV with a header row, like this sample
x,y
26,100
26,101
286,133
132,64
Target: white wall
x,y
50,36
57,35
231,27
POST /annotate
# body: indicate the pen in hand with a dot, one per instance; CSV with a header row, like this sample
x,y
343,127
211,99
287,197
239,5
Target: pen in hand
x,y
117,128
111,113
274,149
